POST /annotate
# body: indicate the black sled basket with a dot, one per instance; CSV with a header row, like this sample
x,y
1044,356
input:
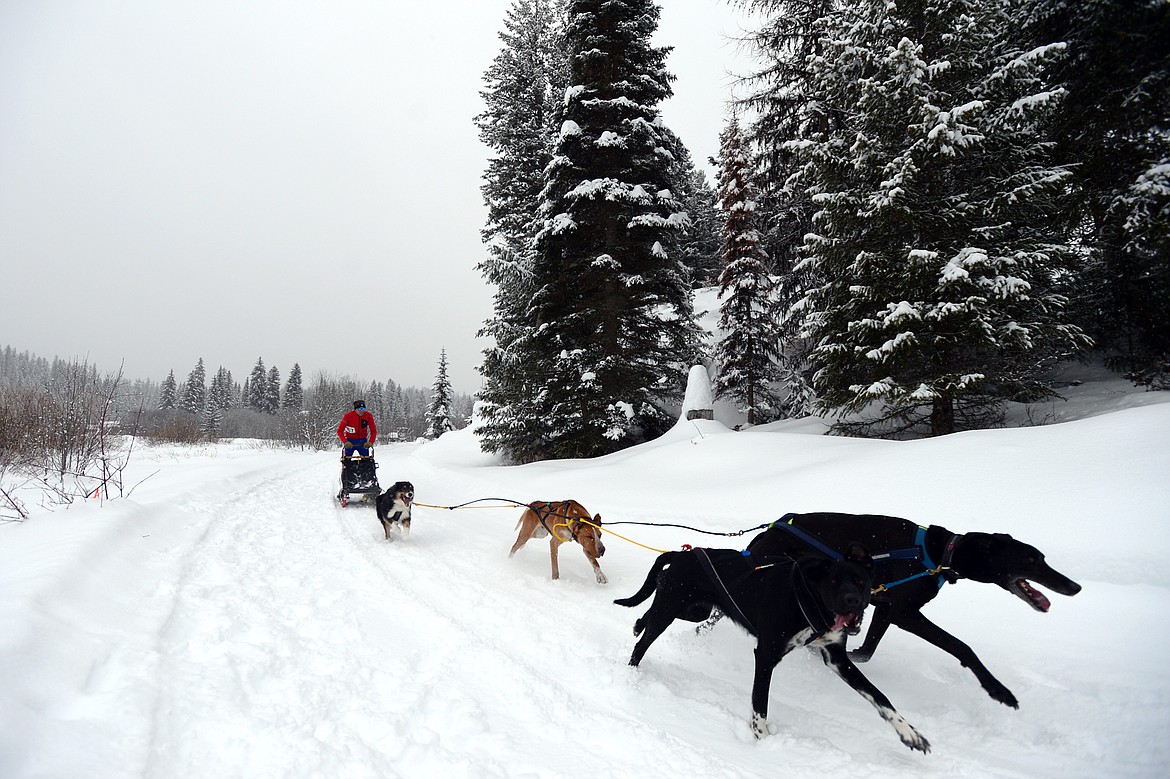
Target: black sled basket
x,y
358,477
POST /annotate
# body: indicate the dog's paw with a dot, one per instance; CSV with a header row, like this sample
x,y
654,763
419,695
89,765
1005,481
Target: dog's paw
x,y
860,656
912,738
601,579
1002,694
760,727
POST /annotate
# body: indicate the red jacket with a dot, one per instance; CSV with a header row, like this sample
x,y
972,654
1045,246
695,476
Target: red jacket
x,y
354,425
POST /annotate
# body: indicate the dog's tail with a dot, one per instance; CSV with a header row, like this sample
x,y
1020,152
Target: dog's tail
x,y
651,582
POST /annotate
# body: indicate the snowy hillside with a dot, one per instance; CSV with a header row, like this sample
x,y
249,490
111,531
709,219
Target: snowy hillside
x,y
230,620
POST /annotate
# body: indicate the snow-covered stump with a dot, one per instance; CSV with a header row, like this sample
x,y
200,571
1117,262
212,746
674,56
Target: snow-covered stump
x,y
698,402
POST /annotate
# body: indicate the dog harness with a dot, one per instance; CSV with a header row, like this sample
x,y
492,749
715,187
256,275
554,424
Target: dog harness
x,y
917,552
813,613
927,563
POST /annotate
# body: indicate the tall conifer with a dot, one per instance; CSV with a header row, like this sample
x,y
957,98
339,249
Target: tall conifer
x,y
748,351
294,394
194,394
932,256
169,397
612,317
439,410
524,92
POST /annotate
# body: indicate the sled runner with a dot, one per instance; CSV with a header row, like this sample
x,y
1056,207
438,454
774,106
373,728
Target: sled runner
x,y
358,477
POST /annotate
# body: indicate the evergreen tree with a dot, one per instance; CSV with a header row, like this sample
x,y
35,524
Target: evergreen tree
x,y
270,403
439,410
748,351
219,397
257,384
611,317
194,393
1113,132
294,396
393,412
700,245
211,421
524,90
932,255
170,396
788,111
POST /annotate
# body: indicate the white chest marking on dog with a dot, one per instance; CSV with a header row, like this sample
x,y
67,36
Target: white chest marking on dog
x,y
800,639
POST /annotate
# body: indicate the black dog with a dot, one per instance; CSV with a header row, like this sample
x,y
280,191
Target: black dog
x,y
784,604
393,507
905,584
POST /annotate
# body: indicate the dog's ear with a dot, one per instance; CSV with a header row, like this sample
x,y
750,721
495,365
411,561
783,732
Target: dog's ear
x,y
597,518
857,553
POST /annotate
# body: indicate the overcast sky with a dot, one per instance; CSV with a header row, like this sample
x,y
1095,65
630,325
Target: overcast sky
x,y
293,180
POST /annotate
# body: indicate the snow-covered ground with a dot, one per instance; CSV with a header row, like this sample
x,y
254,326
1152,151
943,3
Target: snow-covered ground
x,y
231,620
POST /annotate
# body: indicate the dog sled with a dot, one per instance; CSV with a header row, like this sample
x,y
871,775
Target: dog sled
x,y
358,477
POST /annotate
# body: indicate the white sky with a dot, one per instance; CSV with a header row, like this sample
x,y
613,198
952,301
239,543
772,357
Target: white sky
x,y
297,181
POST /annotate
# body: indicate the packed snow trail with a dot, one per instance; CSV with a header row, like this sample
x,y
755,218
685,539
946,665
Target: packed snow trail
x,y
303,644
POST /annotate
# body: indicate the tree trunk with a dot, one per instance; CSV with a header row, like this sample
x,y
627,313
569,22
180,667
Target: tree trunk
x,y
942,416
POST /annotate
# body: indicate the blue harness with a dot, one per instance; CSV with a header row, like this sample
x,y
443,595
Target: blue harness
x,y
917,552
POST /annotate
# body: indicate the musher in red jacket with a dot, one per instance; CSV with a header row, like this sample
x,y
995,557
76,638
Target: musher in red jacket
x,y
357,430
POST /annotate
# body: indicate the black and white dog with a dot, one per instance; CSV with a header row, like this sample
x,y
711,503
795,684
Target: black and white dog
x,y
393,507
785,604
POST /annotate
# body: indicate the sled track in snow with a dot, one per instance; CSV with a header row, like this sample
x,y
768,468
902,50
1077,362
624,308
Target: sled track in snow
x,y
297,630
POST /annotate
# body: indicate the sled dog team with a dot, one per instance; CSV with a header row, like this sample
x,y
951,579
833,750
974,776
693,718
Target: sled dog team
x,y
805,581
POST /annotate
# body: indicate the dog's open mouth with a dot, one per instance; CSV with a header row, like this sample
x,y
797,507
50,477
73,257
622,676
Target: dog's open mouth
x,y
1030,595
407,497
850,623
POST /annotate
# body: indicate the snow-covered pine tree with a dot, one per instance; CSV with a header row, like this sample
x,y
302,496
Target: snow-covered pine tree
x,y
394,416
374,395
270,403
748,351
524,91
256,384
700,244
439,411
194,394
169,397
1113,131
932,255
294,393
211,421
786,109
219,396
612,315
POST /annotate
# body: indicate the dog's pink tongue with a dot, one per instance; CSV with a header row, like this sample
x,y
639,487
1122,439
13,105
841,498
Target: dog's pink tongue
x,y
1039,599
842,621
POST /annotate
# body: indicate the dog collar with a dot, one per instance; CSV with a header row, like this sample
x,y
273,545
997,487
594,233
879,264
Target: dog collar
x,y
949,552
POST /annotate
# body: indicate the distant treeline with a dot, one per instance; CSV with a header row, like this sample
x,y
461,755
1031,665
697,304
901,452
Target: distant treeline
x,y
208,406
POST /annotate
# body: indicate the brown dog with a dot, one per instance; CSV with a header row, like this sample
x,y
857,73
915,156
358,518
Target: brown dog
x,y
562,521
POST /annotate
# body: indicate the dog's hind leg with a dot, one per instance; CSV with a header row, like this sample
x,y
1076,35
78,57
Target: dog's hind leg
x,y
522,538
652,625
922,627
835,657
